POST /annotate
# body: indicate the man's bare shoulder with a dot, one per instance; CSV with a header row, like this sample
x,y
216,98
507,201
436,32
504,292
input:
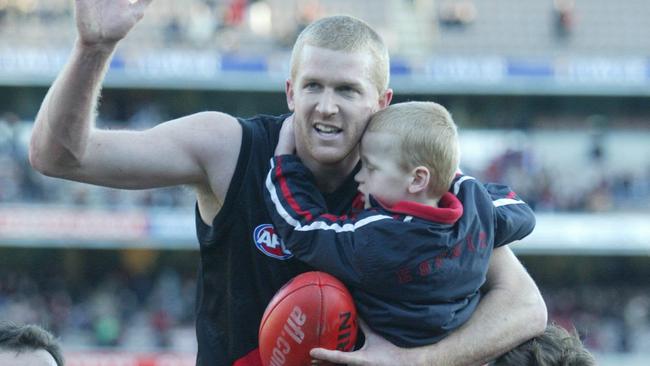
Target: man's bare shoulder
x,y
209,121
205,133
215,140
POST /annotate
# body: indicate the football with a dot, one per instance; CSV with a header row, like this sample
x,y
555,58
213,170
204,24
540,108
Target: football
x,y
314,309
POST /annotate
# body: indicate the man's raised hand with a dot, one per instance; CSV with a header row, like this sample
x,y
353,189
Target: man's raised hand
x,y
105,22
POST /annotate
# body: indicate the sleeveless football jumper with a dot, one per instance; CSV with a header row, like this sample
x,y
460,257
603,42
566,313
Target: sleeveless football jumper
x,y
242,262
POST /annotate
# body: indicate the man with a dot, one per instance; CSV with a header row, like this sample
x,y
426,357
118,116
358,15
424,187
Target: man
x,y
339,77
28,345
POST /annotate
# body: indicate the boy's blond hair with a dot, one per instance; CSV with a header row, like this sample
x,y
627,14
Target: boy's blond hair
x,y
428,137
349,34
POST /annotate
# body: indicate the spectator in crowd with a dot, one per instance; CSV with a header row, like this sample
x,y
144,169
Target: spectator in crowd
x,y
457,14
28,345
563,18
556,347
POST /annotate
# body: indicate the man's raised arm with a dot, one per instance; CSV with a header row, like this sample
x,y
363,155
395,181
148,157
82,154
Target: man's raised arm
x,y
66,116
65,143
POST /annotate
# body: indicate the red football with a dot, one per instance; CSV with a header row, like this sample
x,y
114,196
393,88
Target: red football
x,y
313,309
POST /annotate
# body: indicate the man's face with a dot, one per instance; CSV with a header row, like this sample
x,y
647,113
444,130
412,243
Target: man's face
x,y
27,358
381,174
332,97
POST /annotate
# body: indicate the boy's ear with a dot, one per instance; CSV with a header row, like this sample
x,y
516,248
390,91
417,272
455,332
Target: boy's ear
x,y
288,89
420,177
385,98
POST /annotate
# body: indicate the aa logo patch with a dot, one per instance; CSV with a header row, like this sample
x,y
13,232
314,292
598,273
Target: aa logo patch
x,y
269,243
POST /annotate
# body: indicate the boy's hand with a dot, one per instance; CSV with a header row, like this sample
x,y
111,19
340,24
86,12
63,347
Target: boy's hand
x,y
287,140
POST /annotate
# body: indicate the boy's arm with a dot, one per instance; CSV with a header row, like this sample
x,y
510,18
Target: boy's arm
x,y
514,219
511,312
299,214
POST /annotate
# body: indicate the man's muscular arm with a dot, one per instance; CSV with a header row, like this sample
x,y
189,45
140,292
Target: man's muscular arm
x,y
200,149
511,312
66,116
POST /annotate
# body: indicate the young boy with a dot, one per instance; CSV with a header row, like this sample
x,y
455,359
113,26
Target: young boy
x,y
416,257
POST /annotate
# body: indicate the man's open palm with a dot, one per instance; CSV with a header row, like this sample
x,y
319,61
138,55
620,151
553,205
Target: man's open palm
x,y
105,22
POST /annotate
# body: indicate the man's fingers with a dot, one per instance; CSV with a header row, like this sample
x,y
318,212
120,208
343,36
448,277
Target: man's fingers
x,y
332,356
141,4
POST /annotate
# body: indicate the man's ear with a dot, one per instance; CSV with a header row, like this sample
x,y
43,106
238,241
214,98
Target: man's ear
x,y
420,177
288,90
385,98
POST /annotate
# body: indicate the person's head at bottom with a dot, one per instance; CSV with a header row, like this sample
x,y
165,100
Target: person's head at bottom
x,y
555,347
28,345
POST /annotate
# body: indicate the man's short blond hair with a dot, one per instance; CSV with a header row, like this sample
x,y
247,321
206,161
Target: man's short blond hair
x,y
428,137
349,34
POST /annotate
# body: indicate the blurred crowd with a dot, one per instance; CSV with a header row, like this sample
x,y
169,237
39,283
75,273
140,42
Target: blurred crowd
x,y
155,311
142,312
409,26
226,25
546,188
544,185
19,183
190,22
610,319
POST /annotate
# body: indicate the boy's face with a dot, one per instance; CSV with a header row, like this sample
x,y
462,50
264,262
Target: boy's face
x,y
332,97
381,174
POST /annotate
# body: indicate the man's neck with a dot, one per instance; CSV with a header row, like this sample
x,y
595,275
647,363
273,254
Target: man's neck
x,y
330,177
